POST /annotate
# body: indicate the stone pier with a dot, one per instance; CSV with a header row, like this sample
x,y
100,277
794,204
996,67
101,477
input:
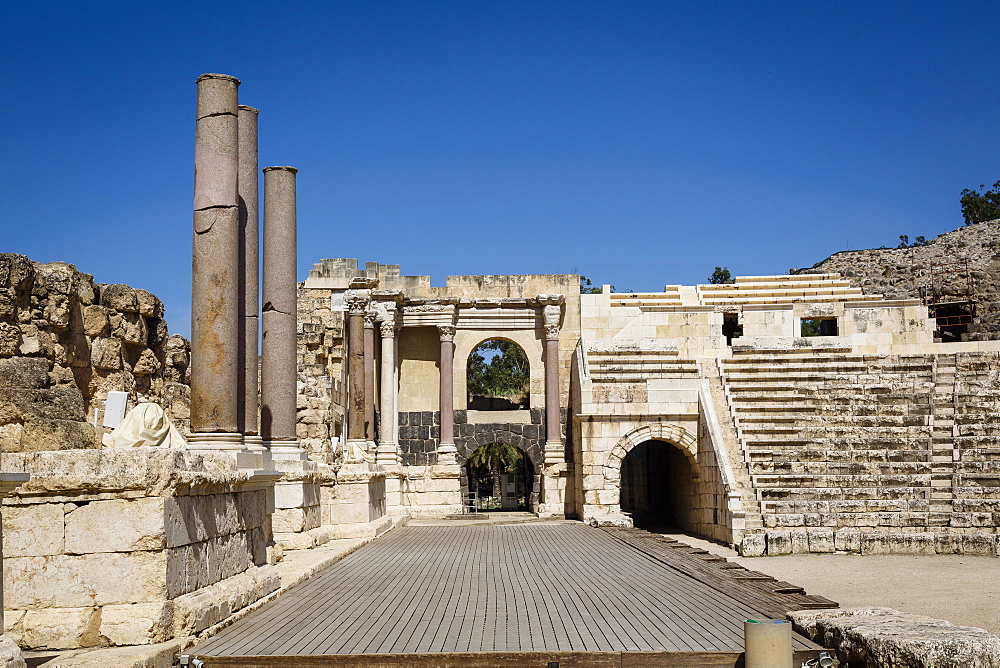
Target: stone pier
x,y
370,380
249,314
215,322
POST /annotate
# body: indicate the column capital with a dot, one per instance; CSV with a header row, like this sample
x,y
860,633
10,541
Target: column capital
x,y
446,332
370,318
355,301
388,328
551,332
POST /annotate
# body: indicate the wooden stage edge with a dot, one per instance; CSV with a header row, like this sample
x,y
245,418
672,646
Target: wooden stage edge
x,y
504,659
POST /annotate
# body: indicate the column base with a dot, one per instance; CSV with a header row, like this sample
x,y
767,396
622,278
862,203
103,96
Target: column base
x,y
355,452
285,450
218,442
553,453
386,453
447,454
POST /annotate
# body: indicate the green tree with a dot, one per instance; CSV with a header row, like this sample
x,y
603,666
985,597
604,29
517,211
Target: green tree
x,y
978,208
505,373
904,241
720,275
490,461
587,288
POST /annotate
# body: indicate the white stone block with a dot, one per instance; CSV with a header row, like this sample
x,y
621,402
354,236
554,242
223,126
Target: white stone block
x,y
137,624
33,530
115,525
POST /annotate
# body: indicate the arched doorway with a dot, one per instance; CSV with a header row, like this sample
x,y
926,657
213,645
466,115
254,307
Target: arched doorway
x,y
497,377
501,476
657,486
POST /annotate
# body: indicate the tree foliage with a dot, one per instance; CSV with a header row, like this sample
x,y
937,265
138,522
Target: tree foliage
x,y
978,208
488,462
588,288
502,373
720,275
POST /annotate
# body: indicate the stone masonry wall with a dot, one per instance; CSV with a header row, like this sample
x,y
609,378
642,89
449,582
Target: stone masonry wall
x,y
65,341
900,273
320,373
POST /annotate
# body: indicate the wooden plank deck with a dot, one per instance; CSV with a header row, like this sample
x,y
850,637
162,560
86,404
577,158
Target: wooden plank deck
x,y
518,588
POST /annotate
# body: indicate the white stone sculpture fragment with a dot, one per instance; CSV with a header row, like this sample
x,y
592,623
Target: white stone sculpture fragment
x,y
146,425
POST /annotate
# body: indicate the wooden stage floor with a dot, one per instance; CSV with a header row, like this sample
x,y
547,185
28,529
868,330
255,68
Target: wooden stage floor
x,y
561,587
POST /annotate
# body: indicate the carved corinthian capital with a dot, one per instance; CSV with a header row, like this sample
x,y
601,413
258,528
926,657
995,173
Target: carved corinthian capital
x,y
355,301
550,319
446,332
551,332
370,317
388,328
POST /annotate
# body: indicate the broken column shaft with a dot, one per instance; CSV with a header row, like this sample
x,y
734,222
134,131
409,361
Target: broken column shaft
x,y
215,353
247,394
279,360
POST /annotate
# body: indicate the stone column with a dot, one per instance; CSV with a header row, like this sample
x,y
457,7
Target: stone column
x,y
370,379
447,452
279,361
356,304
553,428
387,444
249,286
215,355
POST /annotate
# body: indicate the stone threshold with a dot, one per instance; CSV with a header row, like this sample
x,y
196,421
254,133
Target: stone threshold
x,y
296,567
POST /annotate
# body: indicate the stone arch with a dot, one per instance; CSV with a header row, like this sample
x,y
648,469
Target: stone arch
x,y
674,434
531,448
467,340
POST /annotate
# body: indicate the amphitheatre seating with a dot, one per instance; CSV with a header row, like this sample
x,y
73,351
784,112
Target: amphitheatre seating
x,y
631,366
833,439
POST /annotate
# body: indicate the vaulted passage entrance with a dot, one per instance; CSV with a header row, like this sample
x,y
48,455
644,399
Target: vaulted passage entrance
x,y
500,477
657,487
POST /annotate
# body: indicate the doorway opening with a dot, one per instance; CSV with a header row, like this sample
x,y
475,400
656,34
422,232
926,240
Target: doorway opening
x,y
497,377
657,486
501,478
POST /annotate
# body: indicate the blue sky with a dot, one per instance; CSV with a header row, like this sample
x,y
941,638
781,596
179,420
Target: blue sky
x,y
641,143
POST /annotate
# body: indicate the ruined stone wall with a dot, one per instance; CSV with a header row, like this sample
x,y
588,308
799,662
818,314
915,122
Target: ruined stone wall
x,y
900,273
66,341
320,373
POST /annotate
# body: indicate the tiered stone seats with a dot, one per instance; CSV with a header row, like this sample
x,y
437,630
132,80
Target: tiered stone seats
x,y
782,289
638,365
833,439
975,489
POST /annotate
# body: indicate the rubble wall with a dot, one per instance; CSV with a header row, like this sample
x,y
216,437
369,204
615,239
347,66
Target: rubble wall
x,y
900,273
66,341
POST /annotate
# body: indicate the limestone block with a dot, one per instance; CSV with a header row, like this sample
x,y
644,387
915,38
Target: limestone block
x,y
296,494
10,654
886,637
44,434
59,628
26,372
147,364
191,567
119,297
148,304
10,336
821,540
106,353
129,327
81,581
137,623
115,525
778,542
95,320
33,530
57,311
294,520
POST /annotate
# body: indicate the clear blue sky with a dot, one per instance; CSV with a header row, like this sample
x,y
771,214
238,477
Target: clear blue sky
x,y
642,143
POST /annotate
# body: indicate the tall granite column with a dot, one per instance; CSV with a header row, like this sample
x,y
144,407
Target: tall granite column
x,y
356,305
387,451
247,396
279,360
370,379
215,355
447,452
553,429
